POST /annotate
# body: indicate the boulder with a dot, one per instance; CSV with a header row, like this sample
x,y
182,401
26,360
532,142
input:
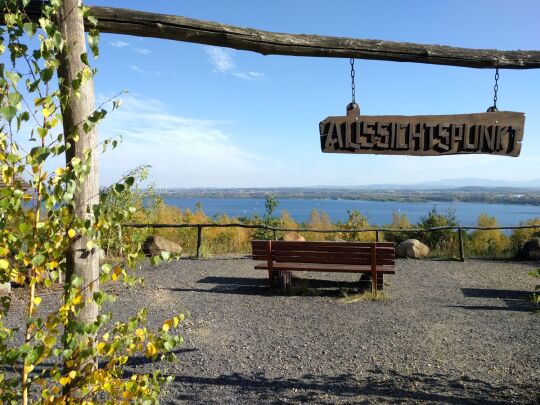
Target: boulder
x,y
154,245
292,237
412,248
530,250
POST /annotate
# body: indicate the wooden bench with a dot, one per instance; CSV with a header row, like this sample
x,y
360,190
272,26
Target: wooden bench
x,y
281,257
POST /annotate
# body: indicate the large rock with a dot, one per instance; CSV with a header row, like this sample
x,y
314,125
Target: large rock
x,y
154,245
412,248
292,237
530,250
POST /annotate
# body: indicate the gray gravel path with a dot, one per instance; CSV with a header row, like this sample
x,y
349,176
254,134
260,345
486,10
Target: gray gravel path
x,y
448,332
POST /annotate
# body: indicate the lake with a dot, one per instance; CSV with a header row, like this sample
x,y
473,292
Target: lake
x,y
377,212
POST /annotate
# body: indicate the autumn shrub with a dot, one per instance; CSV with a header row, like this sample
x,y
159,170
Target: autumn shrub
x,y
520,236
356,221
399,221
320,220
487,243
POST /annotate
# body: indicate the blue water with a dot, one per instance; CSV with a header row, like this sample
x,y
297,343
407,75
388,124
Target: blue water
x,y
378,213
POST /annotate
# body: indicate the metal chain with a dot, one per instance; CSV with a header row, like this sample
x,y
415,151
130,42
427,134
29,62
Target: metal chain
x,y
353,84
496,88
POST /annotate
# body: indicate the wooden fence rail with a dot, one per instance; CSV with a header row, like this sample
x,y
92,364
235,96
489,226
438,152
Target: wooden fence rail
x,y
377,231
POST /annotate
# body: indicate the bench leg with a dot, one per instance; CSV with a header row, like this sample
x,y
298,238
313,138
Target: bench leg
x,y
365,283
280,280
380,281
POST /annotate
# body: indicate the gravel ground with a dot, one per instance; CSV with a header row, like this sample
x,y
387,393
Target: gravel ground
x,y
447,332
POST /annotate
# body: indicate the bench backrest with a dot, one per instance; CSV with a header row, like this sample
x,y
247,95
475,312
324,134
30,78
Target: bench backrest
x,y
325,252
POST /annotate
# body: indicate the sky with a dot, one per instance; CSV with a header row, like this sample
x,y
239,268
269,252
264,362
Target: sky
x,y
204,116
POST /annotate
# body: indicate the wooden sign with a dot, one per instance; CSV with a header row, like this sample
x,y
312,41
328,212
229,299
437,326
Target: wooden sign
x,y
494,133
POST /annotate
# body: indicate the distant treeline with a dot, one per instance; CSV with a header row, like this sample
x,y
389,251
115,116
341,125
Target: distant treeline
x,y
472,194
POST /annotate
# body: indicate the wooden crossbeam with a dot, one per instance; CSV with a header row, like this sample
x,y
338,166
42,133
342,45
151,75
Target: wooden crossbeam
x,y
144,24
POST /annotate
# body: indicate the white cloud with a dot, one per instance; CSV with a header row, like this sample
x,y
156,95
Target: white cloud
x,y
119,44
182,151
138,69
123,44
223,62
221,59
143,51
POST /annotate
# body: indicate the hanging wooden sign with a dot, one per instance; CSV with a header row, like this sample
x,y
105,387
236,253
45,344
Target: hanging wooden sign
x,y
494,133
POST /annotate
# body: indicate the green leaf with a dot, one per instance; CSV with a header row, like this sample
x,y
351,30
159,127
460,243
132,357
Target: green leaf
x,y
119,188
38,260
8,113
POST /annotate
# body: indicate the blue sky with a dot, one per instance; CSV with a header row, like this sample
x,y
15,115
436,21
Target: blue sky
x,y
214,117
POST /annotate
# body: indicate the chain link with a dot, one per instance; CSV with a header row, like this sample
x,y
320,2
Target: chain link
x,y
353,84
496,88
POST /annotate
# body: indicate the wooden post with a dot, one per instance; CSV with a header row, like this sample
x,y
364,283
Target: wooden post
x,y
377,236
461,248
275,234
374,268
81,262
199,240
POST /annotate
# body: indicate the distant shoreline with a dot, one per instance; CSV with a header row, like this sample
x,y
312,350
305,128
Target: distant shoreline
x,y
488,196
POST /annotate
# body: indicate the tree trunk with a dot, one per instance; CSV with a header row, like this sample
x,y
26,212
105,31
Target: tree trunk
x,y
81,262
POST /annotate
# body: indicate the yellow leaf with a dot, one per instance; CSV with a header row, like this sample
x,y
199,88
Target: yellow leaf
x,y
28,368
106,336
165,326
150,349
53,265
64,380
37,300
139,332
4,264
59,171
71,233
77,299
50,340
27,197
72,374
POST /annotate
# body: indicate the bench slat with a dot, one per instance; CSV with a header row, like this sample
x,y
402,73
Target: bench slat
x,y
341,268
351,255
323,260
322,245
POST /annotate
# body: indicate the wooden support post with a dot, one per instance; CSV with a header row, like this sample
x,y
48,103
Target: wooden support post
x,y
377,236
461,248
275,234
269,261
374,268
199,240
81,262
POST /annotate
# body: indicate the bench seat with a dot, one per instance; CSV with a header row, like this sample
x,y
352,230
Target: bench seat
x,y
324,267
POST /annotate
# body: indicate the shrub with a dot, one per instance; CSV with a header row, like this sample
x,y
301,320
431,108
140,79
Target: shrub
x,y
490,243
520,236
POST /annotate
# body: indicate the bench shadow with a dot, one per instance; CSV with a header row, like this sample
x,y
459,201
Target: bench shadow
x,y
375,386
518,301
261,286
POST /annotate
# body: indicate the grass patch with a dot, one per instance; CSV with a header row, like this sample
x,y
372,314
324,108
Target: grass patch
x,y
364,296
